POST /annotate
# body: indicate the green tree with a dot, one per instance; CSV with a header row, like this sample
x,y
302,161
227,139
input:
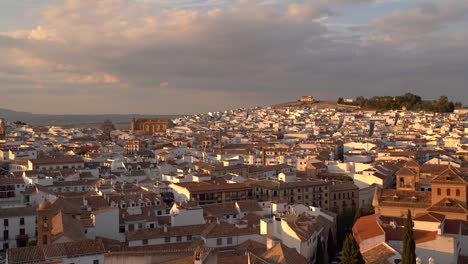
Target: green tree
x,y
351,254
340,100
409,246
19,123
319,257
330,245
361,101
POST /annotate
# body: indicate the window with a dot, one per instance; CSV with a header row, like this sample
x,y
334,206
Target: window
x,y
96,261
5,222
22,231
145,241
189,238
167,239
229,240
448,192
122,229
5,235
439,191
457,192
219,241
179,239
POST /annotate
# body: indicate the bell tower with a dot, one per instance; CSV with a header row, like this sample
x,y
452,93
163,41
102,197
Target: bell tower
x,y
44,222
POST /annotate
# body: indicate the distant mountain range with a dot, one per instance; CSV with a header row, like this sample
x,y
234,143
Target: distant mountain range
x,y
72,120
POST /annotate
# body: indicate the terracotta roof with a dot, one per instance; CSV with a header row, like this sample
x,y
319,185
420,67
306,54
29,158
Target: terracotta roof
x,y
67,226
367,227
227,230
379,254
220,209
57,160
249,206
394,198
150,233
451,175
11,180
420,236
429,217
282,254
252,219
17,211
53,251
448,205
212,187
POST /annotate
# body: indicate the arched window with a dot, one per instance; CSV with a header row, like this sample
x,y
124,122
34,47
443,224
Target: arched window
x,y
439,192
448,192
457,192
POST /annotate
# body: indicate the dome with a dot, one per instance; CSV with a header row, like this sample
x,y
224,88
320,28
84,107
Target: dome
x,y
44,205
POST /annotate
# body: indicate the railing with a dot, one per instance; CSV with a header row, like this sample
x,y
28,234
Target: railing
x,y
25,236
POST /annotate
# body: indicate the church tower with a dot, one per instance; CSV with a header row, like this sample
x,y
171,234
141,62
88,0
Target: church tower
x,y
132,124
44,223
2,128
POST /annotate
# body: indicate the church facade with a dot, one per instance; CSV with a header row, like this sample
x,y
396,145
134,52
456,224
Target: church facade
x,y
149,126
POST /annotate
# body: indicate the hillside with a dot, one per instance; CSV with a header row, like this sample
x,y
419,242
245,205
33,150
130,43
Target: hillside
x,y
314,105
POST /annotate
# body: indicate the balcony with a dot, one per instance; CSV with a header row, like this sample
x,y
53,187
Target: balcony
x,y
25,236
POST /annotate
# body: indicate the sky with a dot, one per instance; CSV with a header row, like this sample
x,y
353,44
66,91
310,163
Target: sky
x,y
195,56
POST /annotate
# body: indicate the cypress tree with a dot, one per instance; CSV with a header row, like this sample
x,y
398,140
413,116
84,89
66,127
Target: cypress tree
x,y
330,245
357,215
319,257
409,245
351,254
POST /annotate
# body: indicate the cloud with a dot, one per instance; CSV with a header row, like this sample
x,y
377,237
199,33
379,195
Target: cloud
x,y
220,56
307,11
94,78
424,18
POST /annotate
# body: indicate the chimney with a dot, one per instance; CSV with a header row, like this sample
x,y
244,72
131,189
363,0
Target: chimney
x,y
165,228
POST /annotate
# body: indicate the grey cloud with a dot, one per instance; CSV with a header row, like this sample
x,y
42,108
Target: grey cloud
x,y
425,18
